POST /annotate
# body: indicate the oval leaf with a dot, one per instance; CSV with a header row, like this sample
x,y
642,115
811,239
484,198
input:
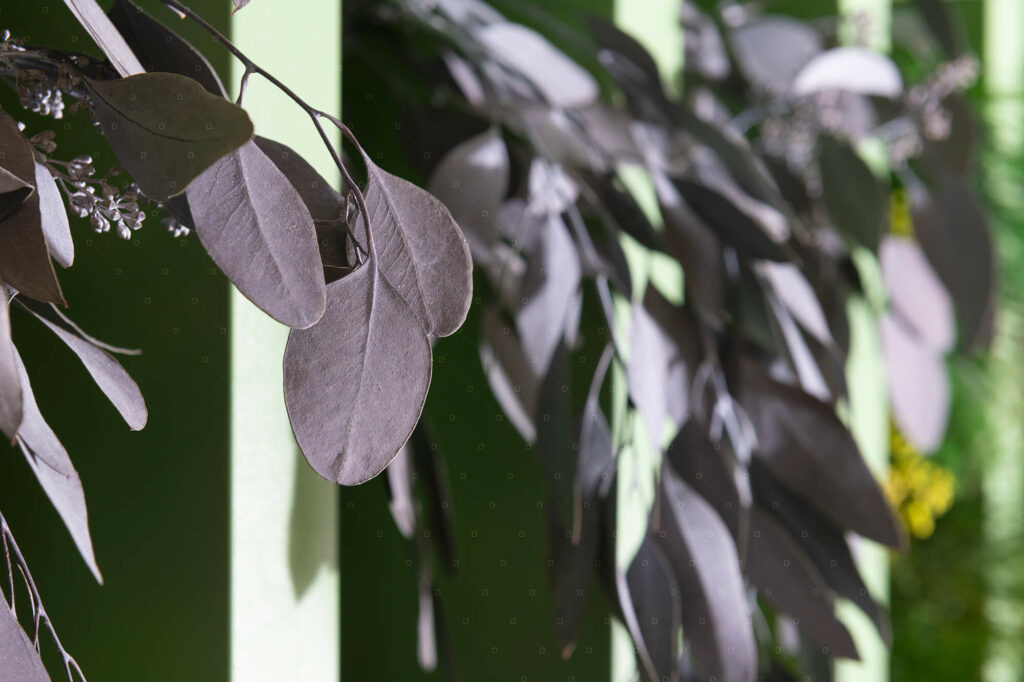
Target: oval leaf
x,y
918,386
918,295
355,382
257,229
853,69
18,656
852,193
54,219
165,129
771,51
421,251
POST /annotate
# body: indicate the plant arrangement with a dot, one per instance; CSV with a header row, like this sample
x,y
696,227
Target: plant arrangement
x,y
671,291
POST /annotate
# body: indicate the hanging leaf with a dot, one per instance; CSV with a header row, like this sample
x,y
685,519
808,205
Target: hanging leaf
x,y
654,599
400,486
954,233
111,378
165,129
919,391
647,370
559,80
796,293
472,180
698,462
53,218
52,466
55,316
732,224
770,51
355,382
822,542
804,445
509,373
552,280
788,581
10,384
258,231
852,194
703,556
160,49
422,252
18,656
918,296
852,69
13,192
106,37
24,260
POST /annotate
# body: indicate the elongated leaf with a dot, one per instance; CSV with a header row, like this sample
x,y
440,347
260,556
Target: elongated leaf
x,y
55,316
10,384
258,231
804,445
323,201
509,373
703,556
954,233
18,657
732,224
647,371
355,382
24,259
160,49
108,374
695,460
796,293
54,219
552,281
471,180
400,485
103,33
918,385
560,80
918,296
851,192
165,129
655,600
822,542
771,51
52,466
422,252
13,191
785,577
852,69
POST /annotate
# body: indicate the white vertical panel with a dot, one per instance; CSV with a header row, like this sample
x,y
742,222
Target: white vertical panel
x,y
284,571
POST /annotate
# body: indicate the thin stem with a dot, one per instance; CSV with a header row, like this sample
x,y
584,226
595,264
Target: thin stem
x,y
314,114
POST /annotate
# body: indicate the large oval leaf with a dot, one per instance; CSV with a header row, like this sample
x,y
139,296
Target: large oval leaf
x,y
421,251
165,129
257,229
24,259
852,69
18,657
52,466
355,382
53,218
770,51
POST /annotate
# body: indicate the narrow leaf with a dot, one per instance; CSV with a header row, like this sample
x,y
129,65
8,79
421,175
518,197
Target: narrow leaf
x,y
165,129
509,373
852,194
10,383
103,33
738,228
697,461
54,218
52,466
257,229
355,382
798,296
422,252
918,384
918,296
655,600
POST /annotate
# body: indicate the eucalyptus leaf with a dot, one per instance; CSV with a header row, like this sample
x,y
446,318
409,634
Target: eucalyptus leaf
x,y
509,373
422,252
355,382
804,445
771,50
647,371
799,297
323,201
105,35
50,463
919,298
160,49
108,374
731,223
852,193
851,69
702,465
655,599
788,581
919,391
257,229
703,556
402,508
10,383
13,192
53,218
24,259
18,656
166,129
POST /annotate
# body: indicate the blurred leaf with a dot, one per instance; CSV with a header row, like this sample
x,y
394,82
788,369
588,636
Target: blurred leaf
x,y
918,385
743,230
852,194
851,69
918,297
770,51
653,598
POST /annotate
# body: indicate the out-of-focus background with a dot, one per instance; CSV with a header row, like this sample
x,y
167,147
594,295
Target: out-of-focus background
x,y
159,499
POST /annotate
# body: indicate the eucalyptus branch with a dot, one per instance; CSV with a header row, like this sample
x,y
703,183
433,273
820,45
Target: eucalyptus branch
x,y
314,114
14,557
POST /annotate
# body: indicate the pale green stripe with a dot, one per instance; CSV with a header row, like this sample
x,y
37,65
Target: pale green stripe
x,y
284,575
